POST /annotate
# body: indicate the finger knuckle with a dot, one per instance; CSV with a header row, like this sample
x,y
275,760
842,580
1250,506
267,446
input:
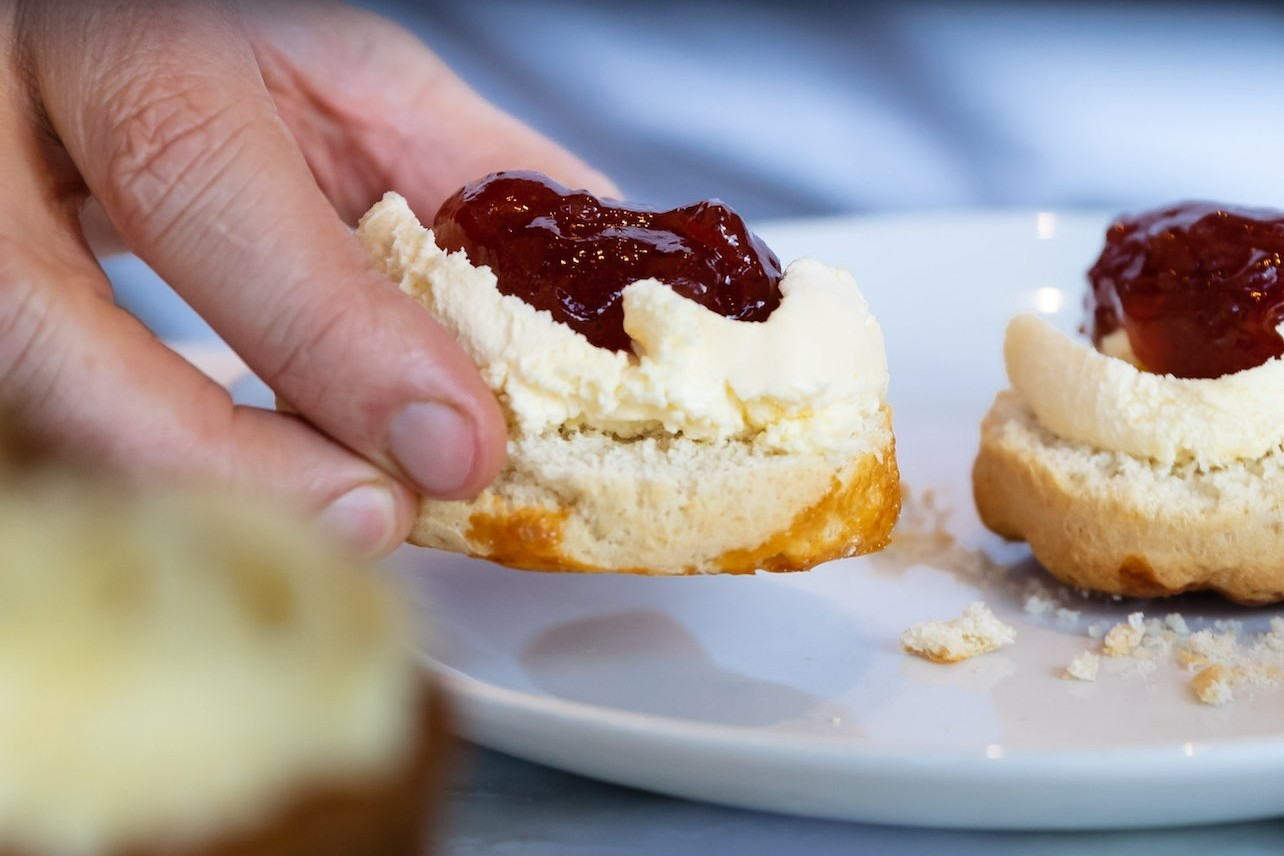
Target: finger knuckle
x,y
169,142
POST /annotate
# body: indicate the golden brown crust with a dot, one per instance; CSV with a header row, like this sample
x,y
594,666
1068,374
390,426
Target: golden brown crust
x,y
854,518
1102,521
594,504
392,816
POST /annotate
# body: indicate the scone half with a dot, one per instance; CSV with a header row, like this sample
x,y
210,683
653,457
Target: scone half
x,y
712,445
585,501
1125,525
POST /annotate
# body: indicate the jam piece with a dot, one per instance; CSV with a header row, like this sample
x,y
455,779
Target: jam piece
x,y
1197,287
572,253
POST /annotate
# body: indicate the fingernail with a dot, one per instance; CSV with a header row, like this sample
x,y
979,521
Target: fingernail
x,y
361,520
434,445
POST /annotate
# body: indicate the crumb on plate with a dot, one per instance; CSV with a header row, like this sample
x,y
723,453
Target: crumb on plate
x,y
1083,667
977,631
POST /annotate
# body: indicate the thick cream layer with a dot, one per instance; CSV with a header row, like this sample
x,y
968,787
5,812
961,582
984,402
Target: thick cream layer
x,y
171,671
1109,403
812,377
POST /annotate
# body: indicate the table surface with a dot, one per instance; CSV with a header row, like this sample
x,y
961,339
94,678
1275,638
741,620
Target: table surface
x,y
497,804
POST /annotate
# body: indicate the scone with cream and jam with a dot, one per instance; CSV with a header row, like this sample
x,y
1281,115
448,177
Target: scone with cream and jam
x,y
183,677
675,404
1153,464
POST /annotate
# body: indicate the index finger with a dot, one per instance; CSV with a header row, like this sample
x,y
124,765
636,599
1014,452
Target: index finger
x,y
162,109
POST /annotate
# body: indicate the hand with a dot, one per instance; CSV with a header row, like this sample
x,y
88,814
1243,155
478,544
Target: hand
x,y
230,150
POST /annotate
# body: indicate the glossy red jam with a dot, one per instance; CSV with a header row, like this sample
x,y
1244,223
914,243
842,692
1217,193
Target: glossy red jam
x,y
571,253
1197,287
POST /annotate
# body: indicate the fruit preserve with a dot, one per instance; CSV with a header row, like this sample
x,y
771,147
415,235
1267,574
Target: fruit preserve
x,y
1197,287
572,254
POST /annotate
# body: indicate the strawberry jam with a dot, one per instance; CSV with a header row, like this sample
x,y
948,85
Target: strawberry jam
x,y
571,253
1197,287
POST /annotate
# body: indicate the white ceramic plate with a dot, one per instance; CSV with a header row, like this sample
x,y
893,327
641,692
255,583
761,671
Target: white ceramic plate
x,y
789,692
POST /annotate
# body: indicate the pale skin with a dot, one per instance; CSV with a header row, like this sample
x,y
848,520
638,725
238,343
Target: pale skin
x,y
232,149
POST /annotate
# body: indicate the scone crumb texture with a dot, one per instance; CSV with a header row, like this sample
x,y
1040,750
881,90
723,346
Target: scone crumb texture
x,y
1212,685
1122,639
1083,667
1216,662
977,631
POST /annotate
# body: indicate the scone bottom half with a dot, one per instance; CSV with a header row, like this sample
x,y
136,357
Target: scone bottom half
x,y
1105,522
670,507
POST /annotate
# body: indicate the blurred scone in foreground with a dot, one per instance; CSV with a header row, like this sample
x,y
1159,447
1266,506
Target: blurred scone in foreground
x,y
181,676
